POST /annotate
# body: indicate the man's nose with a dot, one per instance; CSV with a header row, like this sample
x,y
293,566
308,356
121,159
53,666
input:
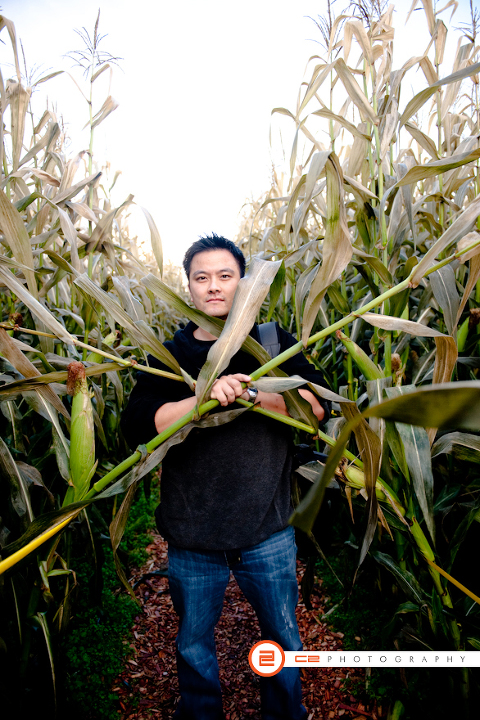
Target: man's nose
x,y
214,286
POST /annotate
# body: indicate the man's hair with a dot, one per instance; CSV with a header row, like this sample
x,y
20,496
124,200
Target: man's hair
x,y
213,242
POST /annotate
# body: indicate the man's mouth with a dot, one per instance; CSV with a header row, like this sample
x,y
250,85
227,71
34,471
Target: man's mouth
x,y
215,300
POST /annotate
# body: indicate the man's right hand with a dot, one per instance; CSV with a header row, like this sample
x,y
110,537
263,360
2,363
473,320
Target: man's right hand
x,y
227,388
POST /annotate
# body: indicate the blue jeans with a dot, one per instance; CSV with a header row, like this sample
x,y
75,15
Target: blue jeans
x,y
266,573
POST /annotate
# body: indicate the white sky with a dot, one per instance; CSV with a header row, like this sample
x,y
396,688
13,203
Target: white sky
x,y
197,84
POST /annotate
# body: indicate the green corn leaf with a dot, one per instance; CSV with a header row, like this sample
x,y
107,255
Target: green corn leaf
x,y
448,405
417,455
444,288
461,532
463,446
370,449
408,582
40,619
276,289
336,298
20,495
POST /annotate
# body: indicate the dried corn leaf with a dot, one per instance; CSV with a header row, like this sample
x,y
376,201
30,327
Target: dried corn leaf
x,y
424,95
18,97
473,278
18,240
353,129
457,229
337,246
139,331
354,91
250,294
445,360
423,140
108,107
44,315
155,240
15,356
387,322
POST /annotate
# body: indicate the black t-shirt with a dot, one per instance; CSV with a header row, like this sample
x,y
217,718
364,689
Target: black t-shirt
x,y
223,487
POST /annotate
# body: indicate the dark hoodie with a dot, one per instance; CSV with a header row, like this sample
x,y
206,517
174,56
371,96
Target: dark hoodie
x,y
224,487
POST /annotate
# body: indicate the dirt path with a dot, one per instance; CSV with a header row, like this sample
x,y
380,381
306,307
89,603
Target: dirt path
x,y
148,686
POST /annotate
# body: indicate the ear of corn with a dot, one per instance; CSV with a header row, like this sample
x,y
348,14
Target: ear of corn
x,y
82,434
109,340
366,366
462,335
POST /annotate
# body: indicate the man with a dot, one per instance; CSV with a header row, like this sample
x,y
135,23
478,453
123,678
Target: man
x,y
225,496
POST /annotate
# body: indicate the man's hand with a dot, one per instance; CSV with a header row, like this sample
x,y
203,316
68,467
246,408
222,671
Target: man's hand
x,y
227,388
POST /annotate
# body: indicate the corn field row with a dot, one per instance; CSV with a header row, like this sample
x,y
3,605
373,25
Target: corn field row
x,y
369,251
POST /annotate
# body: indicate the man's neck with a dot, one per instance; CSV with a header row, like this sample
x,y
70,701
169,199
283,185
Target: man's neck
x,y
201,334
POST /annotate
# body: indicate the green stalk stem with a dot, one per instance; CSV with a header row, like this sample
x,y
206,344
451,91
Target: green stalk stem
x,y
388,354
334,355
349,371
114,358
290,352
383,222
275,362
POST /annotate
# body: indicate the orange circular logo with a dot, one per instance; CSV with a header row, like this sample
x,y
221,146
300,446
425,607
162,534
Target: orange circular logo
x,y
266,658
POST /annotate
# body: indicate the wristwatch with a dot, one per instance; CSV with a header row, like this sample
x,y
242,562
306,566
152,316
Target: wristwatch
x,y
252,393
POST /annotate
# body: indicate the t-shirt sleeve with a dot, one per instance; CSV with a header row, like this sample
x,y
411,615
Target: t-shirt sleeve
x,y
149,394
299,365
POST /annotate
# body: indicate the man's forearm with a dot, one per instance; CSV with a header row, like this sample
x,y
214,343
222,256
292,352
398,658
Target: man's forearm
x,y
276,403
317,408
169,413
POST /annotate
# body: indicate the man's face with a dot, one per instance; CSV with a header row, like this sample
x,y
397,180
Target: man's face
x,y
214,276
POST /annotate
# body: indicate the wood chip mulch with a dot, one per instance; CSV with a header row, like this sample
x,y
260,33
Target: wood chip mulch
x,y
148,686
